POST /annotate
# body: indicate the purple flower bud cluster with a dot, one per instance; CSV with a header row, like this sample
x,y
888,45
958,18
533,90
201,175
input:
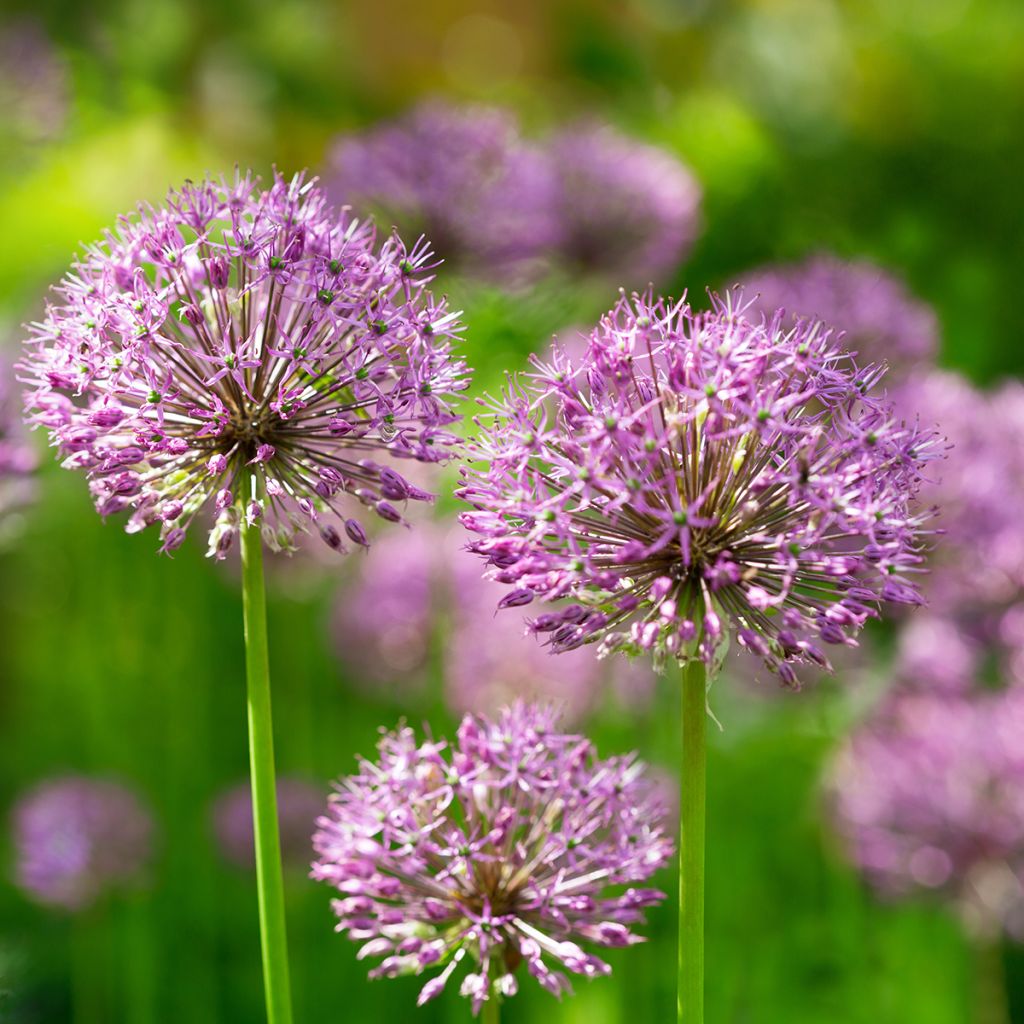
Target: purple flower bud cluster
x,y
463,176
298,804
879,319
975,586
419,592
696,476
78,838
629,211
588,198
34,83
251,351
929,795
503,851
18,461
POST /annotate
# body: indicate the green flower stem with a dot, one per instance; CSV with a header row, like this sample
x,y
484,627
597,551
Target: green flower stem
x,y
692,784
491,1011
90,974
991,1005
269,880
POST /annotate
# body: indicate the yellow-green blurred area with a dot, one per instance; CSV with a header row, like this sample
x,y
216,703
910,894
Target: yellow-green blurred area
x,y
888,129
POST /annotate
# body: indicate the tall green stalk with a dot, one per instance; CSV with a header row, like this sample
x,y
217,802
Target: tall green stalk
x,y
491,1011
692,784
991,1004
90,967
269,880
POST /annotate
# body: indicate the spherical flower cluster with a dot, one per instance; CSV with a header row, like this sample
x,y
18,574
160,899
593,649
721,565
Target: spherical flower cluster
x,y
880,320
629,211
77,838
509,848
17,457
298,804
419,594
461,175
929,795
975,584
697,475
34,84
246,350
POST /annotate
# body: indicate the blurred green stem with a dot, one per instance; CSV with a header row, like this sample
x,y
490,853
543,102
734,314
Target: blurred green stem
x,y
491,1011
269,880
89,967
138,961
991,1004
692,782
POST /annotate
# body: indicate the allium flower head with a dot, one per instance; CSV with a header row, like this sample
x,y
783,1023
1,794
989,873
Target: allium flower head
x,y
630,211
697,475
77,838
249,351
503,851
34,87
298,804
419,593
975,582
881,321
461,175
929,796
17,457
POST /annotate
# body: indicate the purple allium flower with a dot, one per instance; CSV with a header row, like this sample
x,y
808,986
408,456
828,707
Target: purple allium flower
x,y
250,350
34,89
462,176
18,460
78,838
880,320
698,475
508,848
929,795
975,584
630,211
298,805
419,592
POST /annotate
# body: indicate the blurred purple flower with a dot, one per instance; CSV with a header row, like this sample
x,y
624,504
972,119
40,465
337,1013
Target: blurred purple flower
x,y
34,89
18,461
975,584
879,320
459,174
630,210
78,838
929,795
248,350
508,848
696,476
418,591
298,804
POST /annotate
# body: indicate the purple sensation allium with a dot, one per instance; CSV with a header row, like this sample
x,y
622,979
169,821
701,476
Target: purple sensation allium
x,y
419,593
34,87
250,352
881,321
78,838
975,584
929,795
383,621
18,460
460,174
697,475
298,804
630,211
505,850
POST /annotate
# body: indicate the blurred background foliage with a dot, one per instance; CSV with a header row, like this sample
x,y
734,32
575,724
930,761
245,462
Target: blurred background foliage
x,y
890,130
